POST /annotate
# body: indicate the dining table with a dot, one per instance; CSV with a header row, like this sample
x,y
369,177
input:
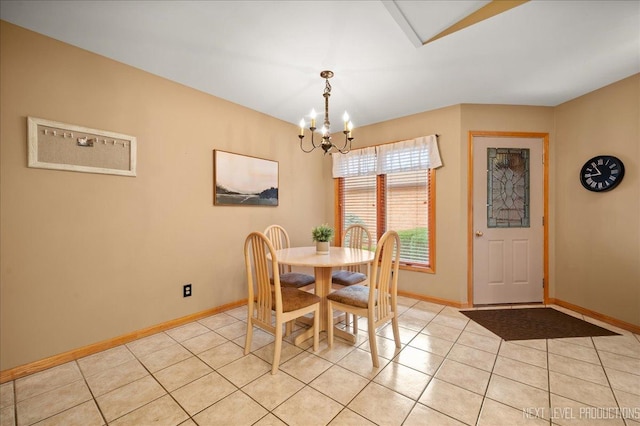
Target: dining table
x,y
323,265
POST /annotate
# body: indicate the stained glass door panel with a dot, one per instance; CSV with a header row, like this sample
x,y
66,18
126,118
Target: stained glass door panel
x,y
508,188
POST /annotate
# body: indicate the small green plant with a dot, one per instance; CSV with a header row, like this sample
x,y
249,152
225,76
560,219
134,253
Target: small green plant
x,y
322,233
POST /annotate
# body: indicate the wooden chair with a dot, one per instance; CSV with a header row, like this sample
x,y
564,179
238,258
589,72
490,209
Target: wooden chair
x,y
267,296
280,240
377,301
355,236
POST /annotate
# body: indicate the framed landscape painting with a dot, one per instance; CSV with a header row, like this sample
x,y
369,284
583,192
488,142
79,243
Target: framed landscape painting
x,y
241,180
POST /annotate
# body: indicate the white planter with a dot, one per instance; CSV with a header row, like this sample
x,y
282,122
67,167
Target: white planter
x,y
322,247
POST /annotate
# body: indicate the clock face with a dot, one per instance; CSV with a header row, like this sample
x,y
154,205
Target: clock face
x,y
602,173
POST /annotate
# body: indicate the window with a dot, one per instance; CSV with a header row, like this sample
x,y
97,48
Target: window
x,y
359,200
397,193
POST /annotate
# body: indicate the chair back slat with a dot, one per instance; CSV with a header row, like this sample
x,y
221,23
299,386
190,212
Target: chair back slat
x,y
384,279
257,247
279,238
356,236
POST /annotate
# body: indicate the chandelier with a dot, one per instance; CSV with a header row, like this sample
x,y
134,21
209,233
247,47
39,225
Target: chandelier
x,y
326,143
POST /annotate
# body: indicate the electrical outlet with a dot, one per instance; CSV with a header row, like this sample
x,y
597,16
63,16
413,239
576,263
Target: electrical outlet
x,y
186,290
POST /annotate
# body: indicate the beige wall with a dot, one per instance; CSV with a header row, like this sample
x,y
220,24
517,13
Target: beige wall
x,y
598,235
88,257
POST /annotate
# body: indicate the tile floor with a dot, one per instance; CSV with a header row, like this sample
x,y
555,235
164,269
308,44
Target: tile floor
x,y
449,371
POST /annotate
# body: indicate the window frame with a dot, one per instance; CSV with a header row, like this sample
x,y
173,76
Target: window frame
x,y
380,218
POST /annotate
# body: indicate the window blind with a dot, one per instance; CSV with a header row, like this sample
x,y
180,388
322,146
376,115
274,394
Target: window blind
x,y
359,203
407,212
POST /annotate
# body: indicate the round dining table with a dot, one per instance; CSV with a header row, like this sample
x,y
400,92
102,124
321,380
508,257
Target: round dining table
x,y
323,265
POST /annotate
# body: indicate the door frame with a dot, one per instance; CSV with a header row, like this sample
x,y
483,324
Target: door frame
x,y
545,189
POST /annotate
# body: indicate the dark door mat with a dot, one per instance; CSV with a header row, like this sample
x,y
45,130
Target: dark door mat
x,y
534,323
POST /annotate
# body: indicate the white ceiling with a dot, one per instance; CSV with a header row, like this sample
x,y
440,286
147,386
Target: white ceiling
x,y
267,55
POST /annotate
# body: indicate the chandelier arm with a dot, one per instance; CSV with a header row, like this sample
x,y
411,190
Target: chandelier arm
x,y
313,145
304,150
344,149
312,141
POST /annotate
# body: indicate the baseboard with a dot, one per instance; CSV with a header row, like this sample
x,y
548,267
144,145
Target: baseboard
x,y
432,299
72,355
596,315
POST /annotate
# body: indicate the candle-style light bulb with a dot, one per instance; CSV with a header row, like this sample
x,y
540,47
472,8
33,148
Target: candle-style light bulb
x,y
302,127
345,118
313,118
349,128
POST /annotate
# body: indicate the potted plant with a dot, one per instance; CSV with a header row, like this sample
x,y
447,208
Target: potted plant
x,y
322,234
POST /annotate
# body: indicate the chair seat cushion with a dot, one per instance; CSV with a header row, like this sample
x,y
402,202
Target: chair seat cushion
x,y
294,299
347,278
296,279
355,295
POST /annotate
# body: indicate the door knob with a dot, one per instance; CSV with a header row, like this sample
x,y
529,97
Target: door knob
x,y
479,234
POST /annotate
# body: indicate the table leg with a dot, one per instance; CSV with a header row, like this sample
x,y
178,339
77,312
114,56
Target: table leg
x,y
322,289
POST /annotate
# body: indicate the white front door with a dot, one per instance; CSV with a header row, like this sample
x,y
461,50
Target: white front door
x,y
508,210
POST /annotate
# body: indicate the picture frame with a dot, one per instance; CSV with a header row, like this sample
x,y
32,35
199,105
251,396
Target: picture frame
x,y
242,180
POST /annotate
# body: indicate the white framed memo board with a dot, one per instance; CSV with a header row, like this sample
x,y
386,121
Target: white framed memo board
x,y
60,146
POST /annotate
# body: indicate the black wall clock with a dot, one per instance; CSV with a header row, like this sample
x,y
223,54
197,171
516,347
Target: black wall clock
x,y
602,173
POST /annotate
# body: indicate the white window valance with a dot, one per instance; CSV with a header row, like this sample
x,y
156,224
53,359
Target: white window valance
x,y
415,154
357,162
